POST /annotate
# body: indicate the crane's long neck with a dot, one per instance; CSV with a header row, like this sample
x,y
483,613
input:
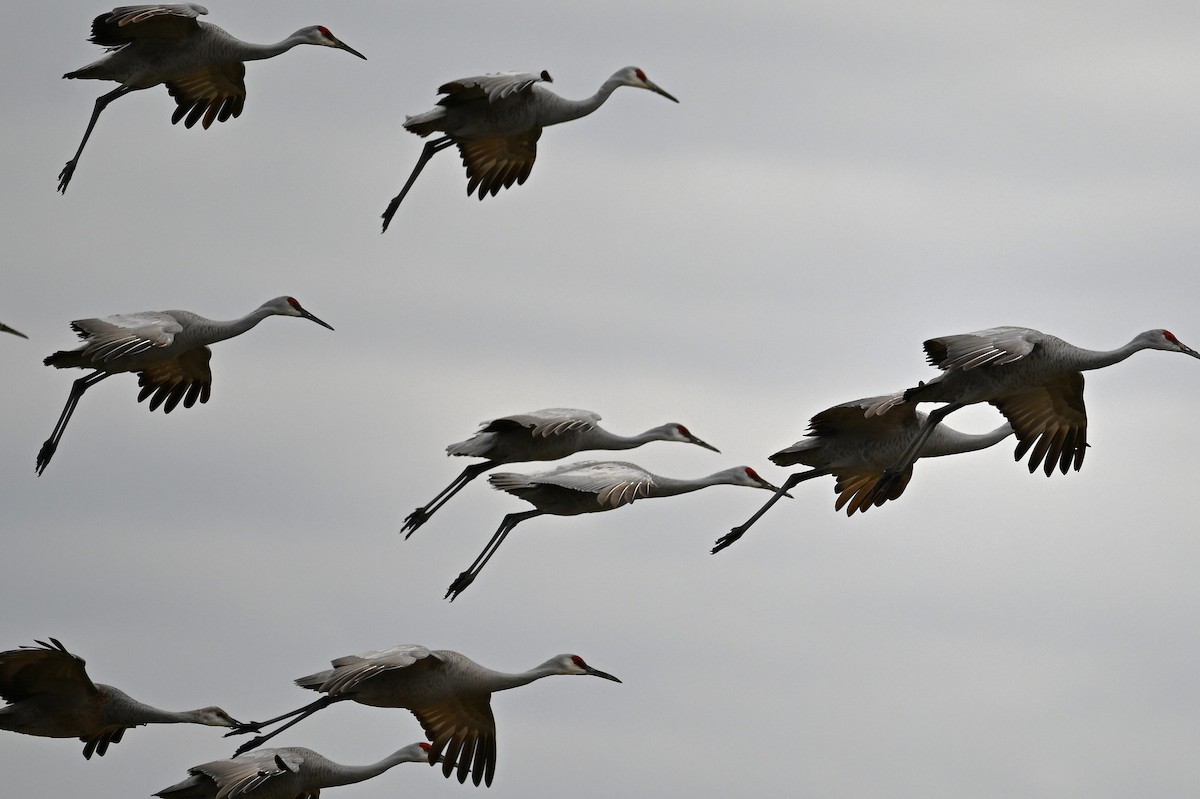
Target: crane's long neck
x,y
602,439
212,330
124,709
1098,359
670,486
945,441
560,109
235,49
339,774
502,681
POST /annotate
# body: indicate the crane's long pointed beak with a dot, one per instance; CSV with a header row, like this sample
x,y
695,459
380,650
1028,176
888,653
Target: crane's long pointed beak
x,y
307,315
603,674
654,87
7,329
343,46
704,444
775,488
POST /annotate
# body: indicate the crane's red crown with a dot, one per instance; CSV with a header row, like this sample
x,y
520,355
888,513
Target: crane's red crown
x,y
641,75
324,31
292,302
1169,336
578,661
753,474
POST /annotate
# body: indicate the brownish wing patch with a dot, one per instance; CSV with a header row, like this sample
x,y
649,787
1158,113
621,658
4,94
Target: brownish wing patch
x,y
1051,420
464,733
216,92
124,25
185,378
44,669
855,489
494,164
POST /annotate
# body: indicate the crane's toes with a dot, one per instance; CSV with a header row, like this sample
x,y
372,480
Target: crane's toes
x,y
459,585
44,455
728,538
64,177
414,520
241,728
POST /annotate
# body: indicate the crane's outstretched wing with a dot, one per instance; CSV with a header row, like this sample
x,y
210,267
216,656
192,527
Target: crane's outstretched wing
x,y
614,483
544,423
125,24
992,347
1052,420
246,773
855,488
214,93
121,335
350,671
187,378
497,163
462,731
44,669
872,417
494,87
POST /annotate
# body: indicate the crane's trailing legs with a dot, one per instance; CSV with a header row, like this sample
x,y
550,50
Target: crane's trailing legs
x,y
792,481
891,477
466,578
77,388
300,715
102,101
430,149
422,514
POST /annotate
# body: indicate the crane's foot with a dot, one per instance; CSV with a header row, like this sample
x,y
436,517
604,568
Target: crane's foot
x,y
241,728
251,744
882,489
45,454
414,520
729,538
64,177
459,585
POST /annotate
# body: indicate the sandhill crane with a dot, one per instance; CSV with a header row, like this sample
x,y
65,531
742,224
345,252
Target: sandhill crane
x,y
495,121
6,329
51,695
857,446
589,487
201,65
449,693
291,772
544,435
168,350
1034,379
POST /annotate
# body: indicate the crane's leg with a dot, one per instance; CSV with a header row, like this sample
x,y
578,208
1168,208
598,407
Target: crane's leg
x,y
891,477
790,483
300,715
77,388
466,578
422,514
428,152
102,101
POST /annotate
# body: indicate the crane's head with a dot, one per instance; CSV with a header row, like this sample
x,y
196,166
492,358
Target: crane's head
x,y
319,34
633,76
745,476
289,306
573,664
1165,340
215,717
673,431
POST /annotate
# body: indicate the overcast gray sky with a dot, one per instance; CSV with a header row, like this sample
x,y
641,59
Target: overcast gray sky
x,y
839,182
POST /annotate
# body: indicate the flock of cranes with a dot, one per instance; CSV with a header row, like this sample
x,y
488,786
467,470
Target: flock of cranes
x,y
869,445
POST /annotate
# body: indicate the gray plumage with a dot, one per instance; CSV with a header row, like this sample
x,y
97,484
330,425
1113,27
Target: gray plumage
x,y
856,442
201,65
449,694
1034,379
167,349
495,121
50,694
291,772
544,435
590,487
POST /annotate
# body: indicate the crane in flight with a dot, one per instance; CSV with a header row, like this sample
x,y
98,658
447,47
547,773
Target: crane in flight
x,y
291,772
495,121
50,694
545,435
856,442
589,487
168,350
201,65
1035,380
450,695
